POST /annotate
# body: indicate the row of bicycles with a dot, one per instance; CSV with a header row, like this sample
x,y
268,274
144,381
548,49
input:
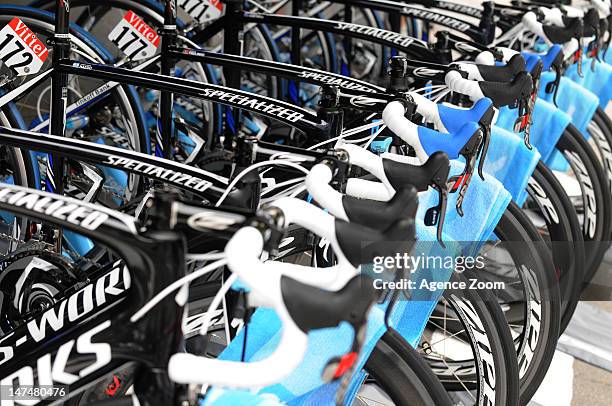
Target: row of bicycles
x,y
366,202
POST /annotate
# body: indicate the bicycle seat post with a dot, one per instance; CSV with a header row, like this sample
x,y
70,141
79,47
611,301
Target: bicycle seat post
x,y
232,45
168,40
59,101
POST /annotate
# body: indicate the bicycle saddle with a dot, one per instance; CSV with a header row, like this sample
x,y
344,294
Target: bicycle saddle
x,y
381,215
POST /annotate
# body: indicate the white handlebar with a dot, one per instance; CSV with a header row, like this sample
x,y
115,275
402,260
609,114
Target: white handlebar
x,y
393,116
553,16
458,84
429,110
243,252
485,58
530,20
317,184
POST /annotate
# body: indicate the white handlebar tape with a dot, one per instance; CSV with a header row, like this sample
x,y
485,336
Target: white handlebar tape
x,y
570,47
429,110
317,184
393,116
470,88
552,16
602,6
367,189
471,70
485,58
530,20
369,161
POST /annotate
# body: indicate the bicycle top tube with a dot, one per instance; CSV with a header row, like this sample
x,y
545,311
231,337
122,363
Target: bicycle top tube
x,y
287,113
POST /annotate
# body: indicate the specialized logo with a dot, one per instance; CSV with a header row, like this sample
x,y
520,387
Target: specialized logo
x,y
341,82
168,175
388,36
51,369
436,18
484,356
254,104
80,304
426,72
363,101
590,218
459,8
214,220
548,210
70,212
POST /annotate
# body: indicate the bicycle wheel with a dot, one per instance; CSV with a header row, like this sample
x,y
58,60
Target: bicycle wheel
x,y
600,129
15,169
468,345
552,213
593,200
528,295
397,375
534,316
115,119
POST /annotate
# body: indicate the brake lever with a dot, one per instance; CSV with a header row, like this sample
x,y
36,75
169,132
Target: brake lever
x,y
523,122
484,148
437,214
466,183
554,86
462,181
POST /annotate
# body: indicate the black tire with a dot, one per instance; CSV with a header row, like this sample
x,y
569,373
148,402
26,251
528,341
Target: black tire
x,y
550,202
481,321
401,372
600,130
542,308
596,201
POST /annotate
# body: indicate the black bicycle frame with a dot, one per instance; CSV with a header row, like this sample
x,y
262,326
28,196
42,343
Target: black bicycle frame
x,y
202,184
88,335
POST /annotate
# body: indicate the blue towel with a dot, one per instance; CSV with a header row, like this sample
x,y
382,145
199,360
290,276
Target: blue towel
x,y
573,99
511,162
484,204
222,397
548,124
596,80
